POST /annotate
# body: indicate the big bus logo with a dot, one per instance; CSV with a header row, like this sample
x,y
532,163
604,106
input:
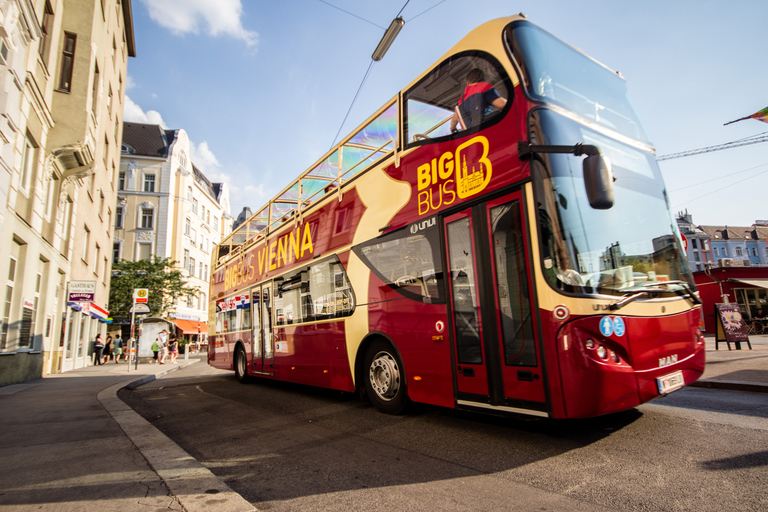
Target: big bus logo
x,y
463,173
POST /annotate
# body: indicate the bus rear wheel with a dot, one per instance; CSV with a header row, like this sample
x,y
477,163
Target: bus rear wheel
x,y
385,379
241,365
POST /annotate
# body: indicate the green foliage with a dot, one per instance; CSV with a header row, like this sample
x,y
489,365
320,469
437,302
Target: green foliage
x,y
159,275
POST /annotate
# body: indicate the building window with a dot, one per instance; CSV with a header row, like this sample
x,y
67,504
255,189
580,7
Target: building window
x,y
738,251
7,305
96,255
145,251
119,217
194,206
187,226
147,218
189,194
67,62
208,217
28,164
46,27
695,243
186,258
116,253
724,251
193,237
67,226
86,244
754,251
105,270
52,185
183,160
191,268
95,89
714,249
121,181
201,270
149,183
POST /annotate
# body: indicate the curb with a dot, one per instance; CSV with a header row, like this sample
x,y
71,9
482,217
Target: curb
x,y
730,385
195,487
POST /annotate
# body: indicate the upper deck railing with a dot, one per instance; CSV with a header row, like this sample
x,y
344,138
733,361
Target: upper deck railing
x,y
372,141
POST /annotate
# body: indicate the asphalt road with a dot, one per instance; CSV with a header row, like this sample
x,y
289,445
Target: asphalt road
x,y
286,447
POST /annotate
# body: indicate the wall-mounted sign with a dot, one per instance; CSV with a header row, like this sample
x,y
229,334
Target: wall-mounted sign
x,y
81,291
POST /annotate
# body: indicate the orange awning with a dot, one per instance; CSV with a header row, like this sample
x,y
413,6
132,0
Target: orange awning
x,y
190,326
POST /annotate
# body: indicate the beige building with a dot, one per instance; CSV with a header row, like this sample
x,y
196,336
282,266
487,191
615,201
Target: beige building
x,y
166,207
59,165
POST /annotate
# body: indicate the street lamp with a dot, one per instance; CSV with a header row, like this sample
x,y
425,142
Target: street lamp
x,y
388,38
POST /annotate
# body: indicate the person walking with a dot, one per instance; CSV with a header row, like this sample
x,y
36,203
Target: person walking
x,y
162,345
107,350
173,348
98,346
117,351
155,349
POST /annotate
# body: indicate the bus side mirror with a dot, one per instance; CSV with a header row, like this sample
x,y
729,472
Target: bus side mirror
x,y
598,180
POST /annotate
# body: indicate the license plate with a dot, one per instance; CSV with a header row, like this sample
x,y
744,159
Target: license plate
x,y
671,382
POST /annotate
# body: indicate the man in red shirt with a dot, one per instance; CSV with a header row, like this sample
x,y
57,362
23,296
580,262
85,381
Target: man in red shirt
x,y
478,101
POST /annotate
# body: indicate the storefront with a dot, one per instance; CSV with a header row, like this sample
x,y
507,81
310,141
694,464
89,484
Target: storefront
x,y
746,286
192,332
83,321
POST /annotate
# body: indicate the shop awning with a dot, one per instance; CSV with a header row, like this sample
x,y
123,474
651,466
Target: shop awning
x,y
190,326
759,282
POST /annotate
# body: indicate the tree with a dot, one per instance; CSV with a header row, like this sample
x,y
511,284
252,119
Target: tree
x,y
159,276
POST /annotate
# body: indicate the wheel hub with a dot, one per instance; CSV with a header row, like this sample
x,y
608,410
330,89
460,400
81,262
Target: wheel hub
x,y
384,376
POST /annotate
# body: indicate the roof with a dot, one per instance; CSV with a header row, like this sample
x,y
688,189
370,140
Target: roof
x,y
736,232
147,139
204,182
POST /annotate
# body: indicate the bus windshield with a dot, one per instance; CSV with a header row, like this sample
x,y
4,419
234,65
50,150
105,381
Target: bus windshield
x,y
631,246
557,73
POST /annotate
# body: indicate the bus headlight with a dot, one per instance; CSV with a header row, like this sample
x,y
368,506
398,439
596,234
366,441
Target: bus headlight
x,y
602,352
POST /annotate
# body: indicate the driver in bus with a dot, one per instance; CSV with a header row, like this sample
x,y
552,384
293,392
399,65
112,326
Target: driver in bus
x,y
479,100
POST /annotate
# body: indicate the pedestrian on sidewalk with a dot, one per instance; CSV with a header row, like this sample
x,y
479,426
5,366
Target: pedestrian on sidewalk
x,y
173,348
155,349
98,346
107,350
117,352
162,344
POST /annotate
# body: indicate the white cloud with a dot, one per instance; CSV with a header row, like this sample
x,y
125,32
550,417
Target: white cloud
x,y
214,17
134,114
204,159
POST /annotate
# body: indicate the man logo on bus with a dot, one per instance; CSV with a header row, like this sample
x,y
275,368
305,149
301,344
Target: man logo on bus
x,y
463,174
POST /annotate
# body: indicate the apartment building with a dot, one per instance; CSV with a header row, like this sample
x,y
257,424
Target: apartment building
x,y
166,207
64,70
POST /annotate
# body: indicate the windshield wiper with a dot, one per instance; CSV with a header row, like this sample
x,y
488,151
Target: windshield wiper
x,y
650,288
632,296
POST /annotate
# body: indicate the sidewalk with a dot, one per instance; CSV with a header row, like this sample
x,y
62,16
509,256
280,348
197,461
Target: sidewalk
x,y
69,444
743,370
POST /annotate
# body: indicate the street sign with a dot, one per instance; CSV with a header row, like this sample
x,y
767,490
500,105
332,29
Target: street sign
x,y
140,295
140,309
81,291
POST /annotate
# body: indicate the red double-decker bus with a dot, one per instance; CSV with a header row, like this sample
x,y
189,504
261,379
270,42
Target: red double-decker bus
x,y
497,237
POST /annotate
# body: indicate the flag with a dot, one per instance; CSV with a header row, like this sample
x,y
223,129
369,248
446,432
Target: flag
x,y
760,115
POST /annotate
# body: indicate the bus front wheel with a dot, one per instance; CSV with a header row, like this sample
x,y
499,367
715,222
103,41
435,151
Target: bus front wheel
x,y
241,365
385,378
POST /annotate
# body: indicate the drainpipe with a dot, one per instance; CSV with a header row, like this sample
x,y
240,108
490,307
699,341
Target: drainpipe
x,y
720,283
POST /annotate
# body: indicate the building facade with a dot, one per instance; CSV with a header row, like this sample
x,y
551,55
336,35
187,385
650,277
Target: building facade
x,y
62,125
741,246
699,249
167,208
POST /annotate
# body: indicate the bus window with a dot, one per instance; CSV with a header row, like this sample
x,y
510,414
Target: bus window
x,y
475,80
318,292
408,260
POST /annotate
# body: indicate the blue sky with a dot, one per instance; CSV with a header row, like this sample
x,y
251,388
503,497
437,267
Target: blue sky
x,y
262,86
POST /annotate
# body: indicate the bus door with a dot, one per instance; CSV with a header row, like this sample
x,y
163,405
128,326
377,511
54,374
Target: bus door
x,y
497,361
263,339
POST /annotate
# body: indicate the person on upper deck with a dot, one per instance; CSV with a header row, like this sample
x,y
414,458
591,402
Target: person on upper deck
x,y
479,100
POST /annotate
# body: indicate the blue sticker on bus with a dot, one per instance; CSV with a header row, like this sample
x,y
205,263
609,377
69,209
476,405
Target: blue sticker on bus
x,y
606,326
618,326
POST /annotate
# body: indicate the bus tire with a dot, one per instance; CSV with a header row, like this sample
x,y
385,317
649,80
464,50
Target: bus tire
x,y
384,378
241,365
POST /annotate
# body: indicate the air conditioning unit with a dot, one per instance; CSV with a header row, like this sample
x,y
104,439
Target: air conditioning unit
x,y
725,262
743,263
